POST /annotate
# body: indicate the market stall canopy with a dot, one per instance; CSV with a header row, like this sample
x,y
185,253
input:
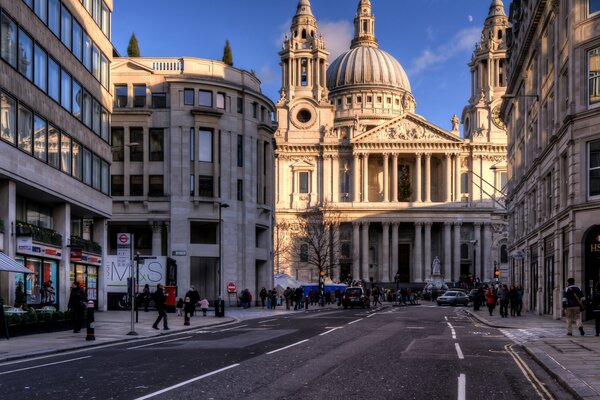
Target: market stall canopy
x,y
7,264
284,280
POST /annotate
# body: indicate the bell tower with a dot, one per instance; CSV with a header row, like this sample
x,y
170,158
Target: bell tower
x,y
364,26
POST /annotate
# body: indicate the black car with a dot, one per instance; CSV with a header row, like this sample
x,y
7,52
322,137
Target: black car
x,y
355,296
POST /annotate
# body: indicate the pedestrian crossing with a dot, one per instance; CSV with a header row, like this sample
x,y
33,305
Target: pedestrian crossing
x,y
521,336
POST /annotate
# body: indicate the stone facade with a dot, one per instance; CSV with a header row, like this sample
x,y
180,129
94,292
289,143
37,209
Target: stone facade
x,y
54,168
404,190
552,114
192,165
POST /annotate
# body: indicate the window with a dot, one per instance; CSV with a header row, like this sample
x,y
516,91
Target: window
x,y
104,125
25,55
29,3
221,101
303,182
96,117
304,72
303,252
41,9
104,74
86,112
96,172
105,173
53,146
53,80
240,190
205,186
205,145
105,23
8,111
77,41
87,52
192,185
65,27
549,195
205,98
76,100
188,97
87,167
40,138
159,100
65,90
240,104
594,174
503,181
192,144
369,99
95,61
594,75
594,6
464,182
156,144
156,185
40,70
96,11
118,147
120,95
77,171
503,254
117,185
25,129
54,16
136,185
136,148
65,153
349,100
9,40
254,110
203,232
240,151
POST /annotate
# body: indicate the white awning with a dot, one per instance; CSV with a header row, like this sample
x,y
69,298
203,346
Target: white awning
x,y
7,264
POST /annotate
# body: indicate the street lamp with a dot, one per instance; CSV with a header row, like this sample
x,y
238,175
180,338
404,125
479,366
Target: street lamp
x,y
221,207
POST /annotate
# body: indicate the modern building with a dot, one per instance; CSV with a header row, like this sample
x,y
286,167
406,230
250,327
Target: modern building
x,y
552,111
55,106
406,191
192,172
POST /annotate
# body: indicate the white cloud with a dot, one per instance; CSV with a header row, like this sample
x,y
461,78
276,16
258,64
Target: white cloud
x,y
470,18
430,35
337,36
268,75
464,40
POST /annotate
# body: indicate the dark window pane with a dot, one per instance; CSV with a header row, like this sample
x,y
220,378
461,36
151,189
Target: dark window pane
x,y
203,232
136,147
53,146
118,146
77,161
77,100
139,96
594,6
87,167
105,172
25,129
9,40
87,51
205,98
54,16
77,41
53,80
117,185
86,109
136,185
156,144
40,70
205,186
156,185
25,55
96,172
240,105
188,97
303,182
120,96
65,90
159,100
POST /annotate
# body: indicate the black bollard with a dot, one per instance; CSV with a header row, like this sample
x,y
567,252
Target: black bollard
x,y
91,325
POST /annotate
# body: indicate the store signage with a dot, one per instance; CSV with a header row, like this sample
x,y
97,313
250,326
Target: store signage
x,y
24,243
75,254
26,246
151,271
179,253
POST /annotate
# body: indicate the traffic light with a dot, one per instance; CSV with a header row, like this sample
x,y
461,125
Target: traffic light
x,y
496,273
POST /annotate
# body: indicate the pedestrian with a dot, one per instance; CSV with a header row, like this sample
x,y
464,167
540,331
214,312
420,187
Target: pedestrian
x,y
490,299
204,306
503,297
159,303
520,293
298,300
287,294
573,303
48,294
179,307
146,297
263,296
375,293
77,304
188,305
512,297
194,299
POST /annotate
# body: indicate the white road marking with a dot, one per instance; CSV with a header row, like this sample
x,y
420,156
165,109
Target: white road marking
x,y
370,315
329,331
355,321
459,351
537,385
230,329
462,387
186,382
43,365
287,347
452,330
414,327
155,343
268,320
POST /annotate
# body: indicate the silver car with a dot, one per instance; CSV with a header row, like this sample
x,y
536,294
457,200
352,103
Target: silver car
x,y
453,298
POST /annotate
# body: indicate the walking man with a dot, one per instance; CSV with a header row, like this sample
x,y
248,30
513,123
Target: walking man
x,y
572,301
159,303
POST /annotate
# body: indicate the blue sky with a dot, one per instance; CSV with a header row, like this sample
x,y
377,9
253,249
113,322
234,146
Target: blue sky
x,y
432,39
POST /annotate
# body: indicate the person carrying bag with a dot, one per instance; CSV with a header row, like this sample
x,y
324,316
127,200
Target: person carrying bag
x,y
574,304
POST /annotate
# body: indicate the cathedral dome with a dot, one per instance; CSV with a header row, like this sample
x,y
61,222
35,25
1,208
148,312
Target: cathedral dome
x,y
366,65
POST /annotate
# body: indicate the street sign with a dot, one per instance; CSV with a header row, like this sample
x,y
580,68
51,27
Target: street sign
x,y
517,255
231,287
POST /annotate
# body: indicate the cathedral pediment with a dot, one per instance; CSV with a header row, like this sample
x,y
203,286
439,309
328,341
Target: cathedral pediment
x,y
406,128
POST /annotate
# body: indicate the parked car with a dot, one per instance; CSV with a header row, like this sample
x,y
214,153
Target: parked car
x,y
355,296
472,294
453,298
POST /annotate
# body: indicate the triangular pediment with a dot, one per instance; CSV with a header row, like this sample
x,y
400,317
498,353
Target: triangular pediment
x,y
301,163
127,64
406,128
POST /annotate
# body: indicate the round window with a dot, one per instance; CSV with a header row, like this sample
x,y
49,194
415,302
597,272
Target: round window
x,y
304,116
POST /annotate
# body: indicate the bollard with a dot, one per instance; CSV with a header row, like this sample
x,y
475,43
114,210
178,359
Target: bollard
x,y
91,325
597,318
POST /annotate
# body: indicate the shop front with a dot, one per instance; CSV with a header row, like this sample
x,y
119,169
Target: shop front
x,y
41,286
591,285
84,269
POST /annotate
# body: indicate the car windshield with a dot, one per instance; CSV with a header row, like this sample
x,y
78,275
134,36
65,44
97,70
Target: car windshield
x,y
450,294
353,292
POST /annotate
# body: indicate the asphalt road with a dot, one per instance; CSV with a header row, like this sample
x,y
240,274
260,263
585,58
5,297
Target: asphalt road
x,y
417,352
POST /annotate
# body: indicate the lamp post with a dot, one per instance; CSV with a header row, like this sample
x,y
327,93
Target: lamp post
x,y
221,207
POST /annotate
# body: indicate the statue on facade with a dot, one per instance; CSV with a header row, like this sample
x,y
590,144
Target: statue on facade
x,y
455,123
435,269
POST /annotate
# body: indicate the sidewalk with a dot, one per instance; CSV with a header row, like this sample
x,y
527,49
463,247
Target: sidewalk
x,y
114,326
573,360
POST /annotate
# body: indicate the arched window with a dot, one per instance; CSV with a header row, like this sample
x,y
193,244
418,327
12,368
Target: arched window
x,y
500,34
464,251
365,26
303,33
503,254
303,252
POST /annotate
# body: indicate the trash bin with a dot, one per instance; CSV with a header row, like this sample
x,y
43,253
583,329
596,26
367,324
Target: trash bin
x,y
170,293
219,308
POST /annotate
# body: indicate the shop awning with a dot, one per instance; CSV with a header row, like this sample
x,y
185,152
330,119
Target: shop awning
x,y
7,264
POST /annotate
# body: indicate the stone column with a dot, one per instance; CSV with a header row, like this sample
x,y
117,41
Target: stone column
x,y
62,225
395,177
355,250
356,173
336,179
447,251
365,195
365,251
428,178
477,261
448,177
384,274
326,179
99,234
394,267
386,178
156,238
487,247
456,271
418,178
427,258
336,253
418,250
457,177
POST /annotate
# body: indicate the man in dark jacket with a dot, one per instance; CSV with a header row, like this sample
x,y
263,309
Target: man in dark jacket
x,y
573,304
77,304
159,303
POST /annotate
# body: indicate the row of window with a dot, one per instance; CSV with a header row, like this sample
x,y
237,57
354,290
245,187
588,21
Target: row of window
x,y
205,98
594,75
70,32
156,139
100,13
136,185
158,99
34,63
34,135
